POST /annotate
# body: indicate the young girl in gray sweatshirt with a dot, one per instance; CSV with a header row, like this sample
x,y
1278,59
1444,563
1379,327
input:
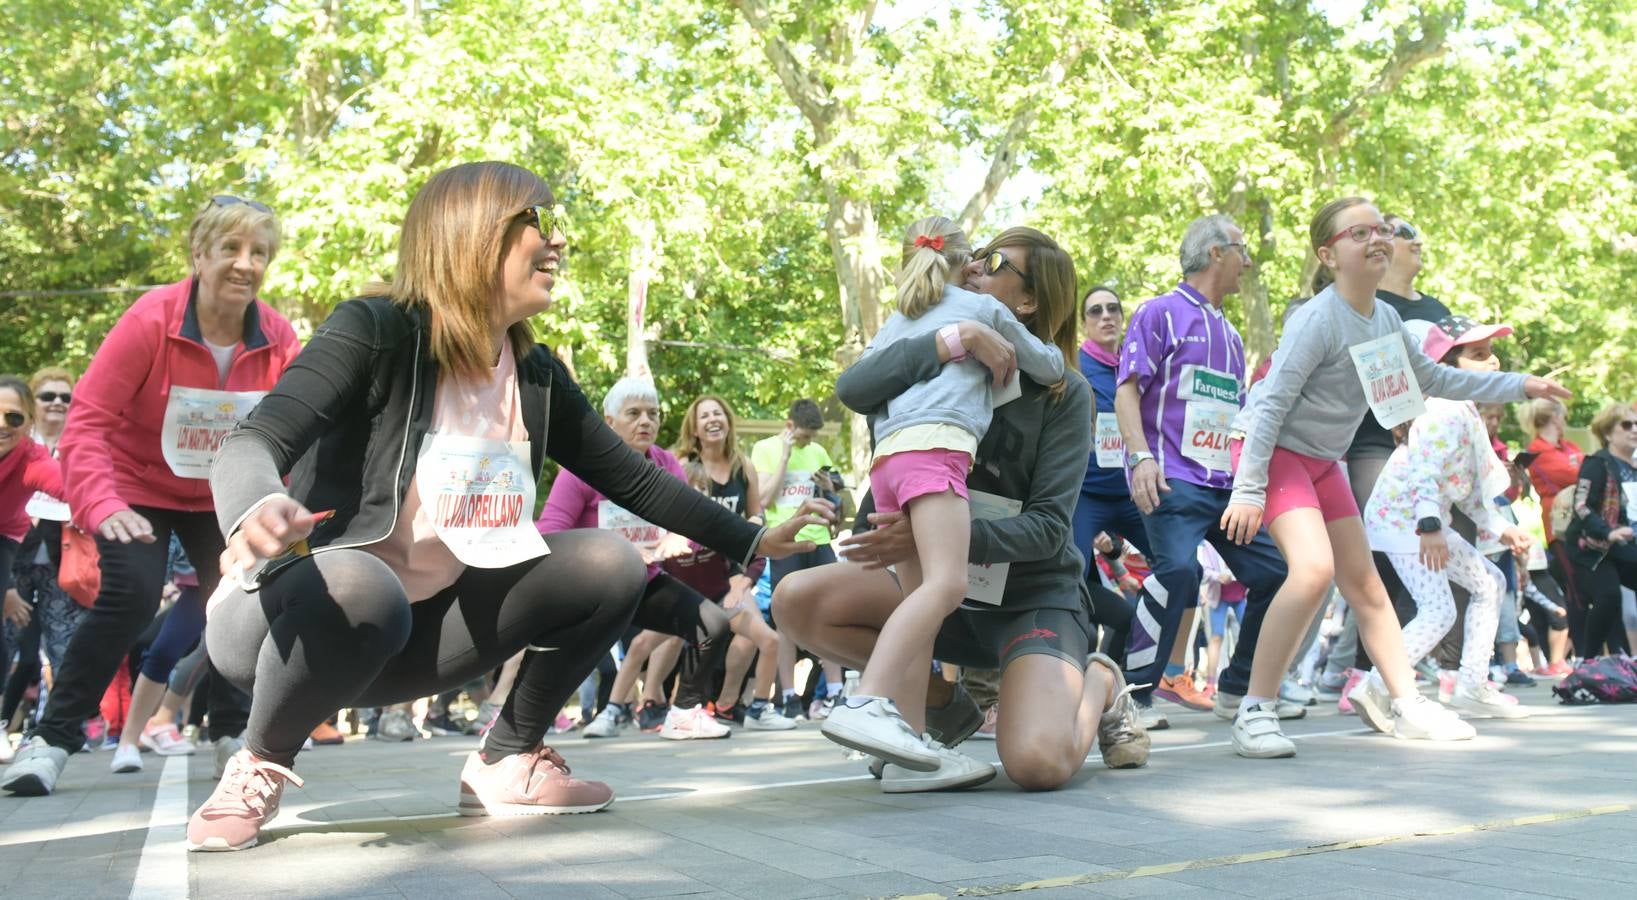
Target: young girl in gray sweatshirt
x,y
1342,355
924,445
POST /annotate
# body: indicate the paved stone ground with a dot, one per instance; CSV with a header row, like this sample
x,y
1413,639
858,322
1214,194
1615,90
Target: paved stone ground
x,y
785,815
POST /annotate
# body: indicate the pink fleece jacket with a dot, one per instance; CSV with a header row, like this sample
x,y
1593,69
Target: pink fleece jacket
x,y
26,469
110,453
573,504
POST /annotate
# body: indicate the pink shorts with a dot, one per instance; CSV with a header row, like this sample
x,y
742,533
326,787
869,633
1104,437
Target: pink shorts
x,y
898,478
1302,482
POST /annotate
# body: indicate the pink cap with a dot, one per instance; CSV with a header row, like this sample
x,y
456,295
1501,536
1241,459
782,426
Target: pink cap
x,y
1456,331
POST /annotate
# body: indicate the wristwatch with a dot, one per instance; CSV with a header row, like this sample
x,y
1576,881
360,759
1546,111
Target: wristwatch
x,y
1135,457
1429,525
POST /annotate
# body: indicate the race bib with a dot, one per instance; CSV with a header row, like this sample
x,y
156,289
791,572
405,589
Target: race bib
x,y
987,583
196,420
796,489
1389,383
1206,427
999,397
1110,445
639,531
45,506
480,495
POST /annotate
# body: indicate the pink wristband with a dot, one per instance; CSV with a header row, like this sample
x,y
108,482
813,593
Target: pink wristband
x,y
952,339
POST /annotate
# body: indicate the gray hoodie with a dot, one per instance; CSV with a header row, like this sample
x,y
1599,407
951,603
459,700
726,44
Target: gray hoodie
x,y
960,394
1312,401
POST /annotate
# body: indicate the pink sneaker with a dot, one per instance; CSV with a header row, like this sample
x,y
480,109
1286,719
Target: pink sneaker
x,y
1344,705
1446,686
166,740
535,783
246,799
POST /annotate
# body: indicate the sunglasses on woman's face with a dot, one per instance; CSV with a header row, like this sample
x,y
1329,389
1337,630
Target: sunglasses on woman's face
x,y
54,397
1406,231
1628,424
15,419
994,261
1096,312
546,219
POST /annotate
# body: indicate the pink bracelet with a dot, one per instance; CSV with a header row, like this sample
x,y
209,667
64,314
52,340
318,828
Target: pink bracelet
x,y
952,339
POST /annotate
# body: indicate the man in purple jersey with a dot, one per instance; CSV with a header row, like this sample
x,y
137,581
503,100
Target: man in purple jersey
x,y
1181,381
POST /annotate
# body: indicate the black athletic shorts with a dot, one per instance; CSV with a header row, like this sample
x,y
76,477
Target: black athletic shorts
x,y
991,639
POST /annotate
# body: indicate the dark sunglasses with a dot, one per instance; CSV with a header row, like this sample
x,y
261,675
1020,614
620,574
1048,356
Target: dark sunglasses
x,y
546,219
15,419
230,200
1406,231
1627,424
1096,312
53,396
994,261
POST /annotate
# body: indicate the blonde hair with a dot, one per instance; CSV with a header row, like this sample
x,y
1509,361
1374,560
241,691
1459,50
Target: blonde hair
x,y
50,373
1055,291
450,251
1538,413
219,219
688,445
1322,229
1605,420
926,268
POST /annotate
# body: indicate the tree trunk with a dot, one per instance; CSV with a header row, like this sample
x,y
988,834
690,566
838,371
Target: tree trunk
x,y
855,244
636,306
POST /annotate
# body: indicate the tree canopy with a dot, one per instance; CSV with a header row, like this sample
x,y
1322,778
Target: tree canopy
x,y
737,175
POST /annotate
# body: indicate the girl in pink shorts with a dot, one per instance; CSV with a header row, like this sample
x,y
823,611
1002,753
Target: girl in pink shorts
x,y
924,446
1343,355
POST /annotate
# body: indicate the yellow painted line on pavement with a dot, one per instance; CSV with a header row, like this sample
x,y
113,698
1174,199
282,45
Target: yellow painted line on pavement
x,y
1216,862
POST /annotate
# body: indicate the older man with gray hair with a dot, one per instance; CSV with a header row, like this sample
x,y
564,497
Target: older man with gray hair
x,y
1181,381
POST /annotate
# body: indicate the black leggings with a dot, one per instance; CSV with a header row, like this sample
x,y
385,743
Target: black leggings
x,y
1600,588
335,630
132,577
671,607
1112,611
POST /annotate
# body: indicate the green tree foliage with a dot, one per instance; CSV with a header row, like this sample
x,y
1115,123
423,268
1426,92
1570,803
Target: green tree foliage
x,y
745,169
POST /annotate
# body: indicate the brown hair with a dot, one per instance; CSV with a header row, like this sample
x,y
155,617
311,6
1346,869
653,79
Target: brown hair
x,y
1055,292
25,395
688,446
450,251
1605,420
50,373
1322,229
1538,413
925,269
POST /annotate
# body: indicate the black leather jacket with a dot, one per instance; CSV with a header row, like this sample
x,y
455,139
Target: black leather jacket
x,y
347,419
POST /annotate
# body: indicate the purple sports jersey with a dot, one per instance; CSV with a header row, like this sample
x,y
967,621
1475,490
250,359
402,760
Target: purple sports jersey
x,y
1189,363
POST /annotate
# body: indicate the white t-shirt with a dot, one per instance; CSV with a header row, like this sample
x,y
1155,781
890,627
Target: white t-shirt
x,y
224,359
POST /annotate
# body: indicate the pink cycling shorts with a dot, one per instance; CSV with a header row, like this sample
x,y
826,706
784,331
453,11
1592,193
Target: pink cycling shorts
x,y
898,478
1303,482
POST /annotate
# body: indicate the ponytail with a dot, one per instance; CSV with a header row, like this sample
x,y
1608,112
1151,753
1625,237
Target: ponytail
x,y
933,246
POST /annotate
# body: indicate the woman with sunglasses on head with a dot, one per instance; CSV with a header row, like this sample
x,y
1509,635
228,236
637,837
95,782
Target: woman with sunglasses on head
x,y
26,467
402,560
175,374
1343,355
53,615
1599,538
1058,699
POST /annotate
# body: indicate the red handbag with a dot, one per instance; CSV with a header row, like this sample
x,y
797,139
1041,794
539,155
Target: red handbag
x,y
81,571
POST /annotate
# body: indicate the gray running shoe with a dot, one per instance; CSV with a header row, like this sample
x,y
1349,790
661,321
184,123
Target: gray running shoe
x,y
35,771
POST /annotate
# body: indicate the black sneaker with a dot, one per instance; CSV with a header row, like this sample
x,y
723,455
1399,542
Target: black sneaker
x,y
444,726
792,709
651,717
733,715
1516,678
956,720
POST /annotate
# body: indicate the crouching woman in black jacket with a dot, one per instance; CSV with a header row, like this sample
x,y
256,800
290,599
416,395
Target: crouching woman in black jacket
x,y
403,559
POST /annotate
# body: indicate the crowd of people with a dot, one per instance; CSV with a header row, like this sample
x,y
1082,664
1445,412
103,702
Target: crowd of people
x,y
217,535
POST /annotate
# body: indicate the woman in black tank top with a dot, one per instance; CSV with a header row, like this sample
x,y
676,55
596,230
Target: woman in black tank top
x,y
709,450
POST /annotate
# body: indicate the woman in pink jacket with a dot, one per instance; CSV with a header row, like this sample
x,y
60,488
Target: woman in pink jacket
x,y
173,377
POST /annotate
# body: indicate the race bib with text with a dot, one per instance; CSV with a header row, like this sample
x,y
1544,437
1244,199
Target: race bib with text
x,y
196,420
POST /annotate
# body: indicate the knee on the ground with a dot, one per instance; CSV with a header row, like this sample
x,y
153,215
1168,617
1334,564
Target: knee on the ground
x,y
1038,755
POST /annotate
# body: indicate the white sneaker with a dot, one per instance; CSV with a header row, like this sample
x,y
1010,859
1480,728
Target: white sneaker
x,y
1372,703
1225,706
768,719
1485,700
1120,734
127,758
692,723
166,740
955,770
1152,719
876,727
35,771
1256,734
225,748
396,725
1417,718
608,723
7,751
